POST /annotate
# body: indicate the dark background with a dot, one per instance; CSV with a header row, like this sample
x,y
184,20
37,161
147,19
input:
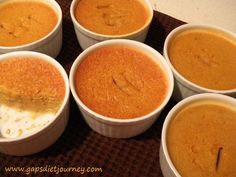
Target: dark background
x,y
79,146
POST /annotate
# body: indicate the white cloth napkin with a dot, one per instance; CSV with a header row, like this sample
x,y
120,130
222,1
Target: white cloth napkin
x,y
220,13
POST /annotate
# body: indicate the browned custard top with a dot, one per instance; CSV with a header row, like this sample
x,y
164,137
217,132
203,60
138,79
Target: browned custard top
x,y
24,21
120,82
205,57
111,17
201,140
31,84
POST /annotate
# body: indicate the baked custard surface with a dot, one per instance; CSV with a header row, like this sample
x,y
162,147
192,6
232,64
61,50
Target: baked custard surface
x,y
23,22
31,84
120,82
201,139
111,17
205,57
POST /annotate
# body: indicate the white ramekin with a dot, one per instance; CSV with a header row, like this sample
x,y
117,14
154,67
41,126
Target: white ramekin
x,y
121,128
47,135
87,38
50,44
167,167
183,87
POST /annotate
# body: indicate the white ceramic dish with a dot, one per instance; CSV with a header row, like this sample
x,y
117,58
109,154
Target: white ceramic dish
x,y
87,38
121,128
167,167
183,87
50,44
47,135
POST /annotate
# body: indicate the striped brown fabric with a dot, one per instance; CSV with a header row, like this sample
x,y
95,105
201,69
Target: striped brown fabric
x,y
79,146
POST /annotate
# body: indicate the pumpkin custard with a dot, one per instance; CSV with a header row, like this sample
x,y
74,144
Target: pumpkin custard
x,y
205,57
120,82
31,93
24,21
201,139
111,17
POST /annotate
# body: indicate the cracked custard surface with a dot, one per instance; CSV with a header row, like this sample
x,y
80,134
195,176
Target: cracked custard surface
x,y
205,57
31,84
111,17
120,82
23,22
201,139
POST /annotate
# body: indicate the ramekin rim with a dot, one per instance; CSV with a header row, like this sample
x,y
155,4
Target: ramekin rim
x,y
176,109
45,39
95,35
168,72
179,77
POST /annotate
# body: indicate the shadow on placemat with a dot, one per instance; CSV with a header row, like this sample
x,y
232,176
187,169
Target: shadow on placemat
x,y
160,27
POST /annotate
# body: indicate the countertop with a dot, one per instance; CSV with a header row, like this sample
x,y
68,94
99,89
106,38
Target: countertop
x,y
220,13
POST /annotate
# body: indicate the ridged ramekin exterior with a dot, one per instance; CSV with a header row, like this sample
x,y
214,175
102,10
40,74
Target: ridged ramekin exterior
x,y
165,167
113,130
86,40
121,128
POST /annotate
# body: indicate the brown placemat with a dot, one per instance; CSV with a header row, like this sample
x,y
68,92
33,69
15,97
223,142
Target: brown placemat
x,y
79,146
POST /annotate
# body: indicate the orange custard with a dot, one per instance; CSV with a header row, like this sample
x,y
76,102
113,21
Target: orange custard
x,y
111,17
205,57
31,84
23,22
201,140
120,82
